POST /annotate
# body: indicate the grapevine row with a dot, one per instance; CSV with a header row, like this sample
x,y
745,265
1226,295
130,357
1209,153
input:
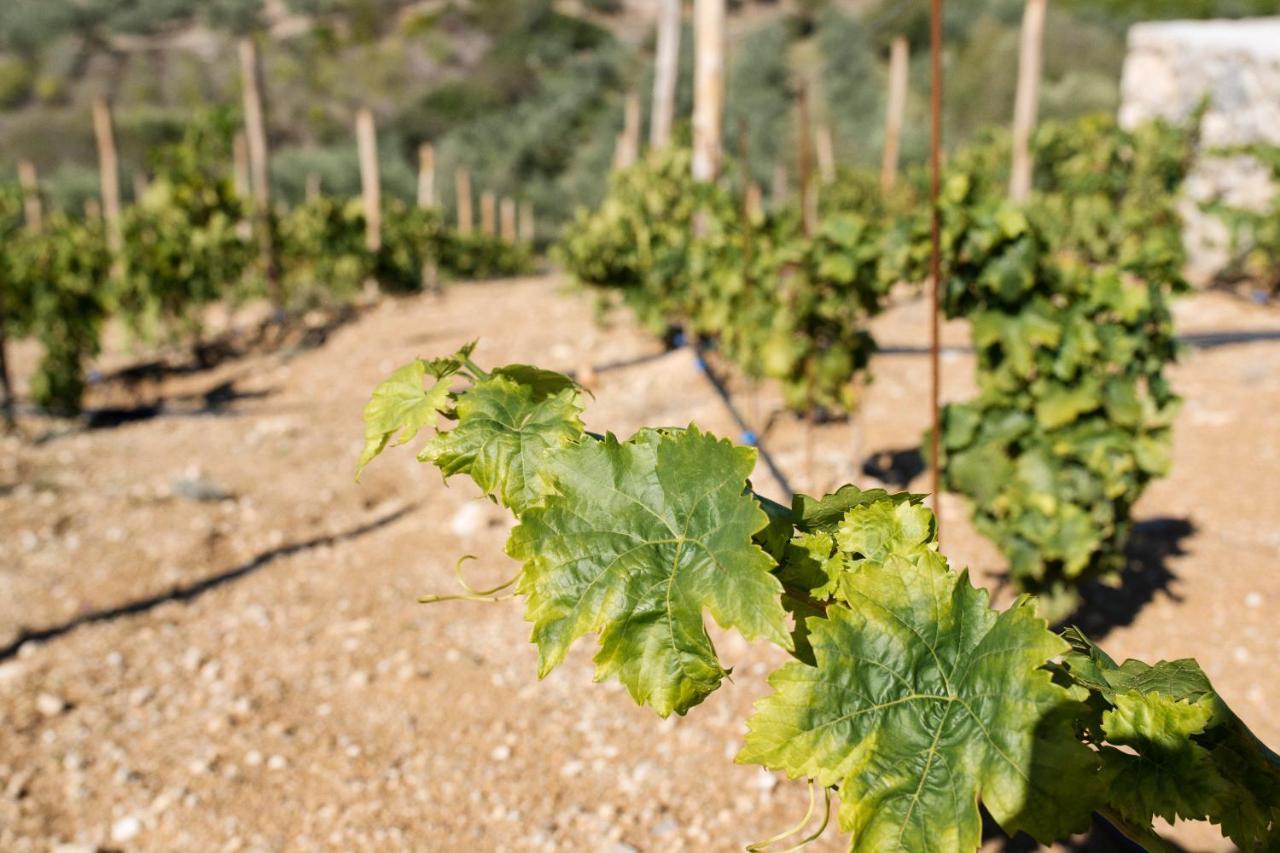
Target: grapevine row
x,y
187,243
1067,296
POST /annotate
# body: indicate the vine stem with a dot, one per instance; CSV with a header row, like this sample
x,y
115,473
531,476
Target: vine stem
x,y
1144,837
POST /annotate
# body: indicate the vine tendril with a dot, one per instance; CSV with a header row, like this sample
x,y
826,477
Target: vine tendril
x,y
470,593
765,845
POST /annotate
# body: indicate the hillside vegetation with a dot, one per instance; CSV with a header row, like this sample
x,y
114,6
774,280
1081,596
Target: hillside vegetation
x,y
526,93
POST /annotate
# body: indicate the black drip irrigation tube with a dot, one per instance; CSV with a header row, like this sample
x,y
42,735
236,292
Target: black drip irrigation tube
x,y
747,435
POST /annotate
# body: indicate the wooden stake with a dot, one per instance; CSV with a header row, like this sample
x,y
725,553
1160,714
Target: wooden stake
x,y
630,147
33,212
92,209
825,150
32,206
426,175
108,173
666,72
140,185
313,186
255,126
896,109
427,199
528,230
6,386
507,214
753,204
370,182
1028,92
708,87
935,255
619,152
488,214
778,189
240,165
744,166
804,163
462,188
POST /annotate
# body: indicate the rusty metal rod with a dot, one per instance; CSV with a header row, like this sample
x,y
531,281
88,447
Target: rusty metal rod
x,y
935,255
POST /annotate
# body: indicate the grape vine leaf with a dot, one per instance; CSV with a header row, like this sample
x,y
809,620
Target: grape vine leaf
x,y
1168,774
401,403
1184,753
826,513
542,382
505,430
923,699
637,540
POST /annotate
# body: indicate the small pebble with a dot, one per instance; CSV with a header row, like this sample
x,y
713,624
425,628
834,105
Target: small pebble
x,y
666,826
765,781
125,829
49,705
468,520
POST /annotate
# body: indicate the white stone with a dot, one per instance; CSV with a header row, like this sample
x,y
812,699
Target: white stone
x,y
11,671
125,829
468,520
765,781
49,705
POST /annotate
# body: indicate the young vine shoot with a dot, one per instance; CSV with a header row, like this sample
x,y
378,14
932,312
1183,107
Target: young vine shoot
x,y
909,695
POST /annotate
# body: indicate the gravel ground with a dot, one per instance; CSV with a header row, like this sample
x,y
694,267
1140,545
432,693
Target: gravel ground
x,y
210,639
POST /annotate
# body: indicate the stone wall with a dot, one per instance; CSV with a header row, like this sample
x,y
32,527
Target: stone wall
x,y
1169,69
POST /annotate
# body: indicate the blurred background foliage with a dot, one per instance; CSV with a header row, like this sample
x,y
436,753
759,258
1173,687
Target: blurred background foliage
x,y
528,94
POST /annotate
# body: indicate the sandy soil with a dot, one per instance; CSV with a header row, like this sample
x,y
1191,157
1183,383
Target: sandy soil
x,y
209,638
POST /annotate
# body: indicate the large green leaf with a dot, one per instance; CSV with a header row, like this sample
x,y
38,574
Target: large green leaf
x,y
639,538
505,430
401,403
922,700
1171,747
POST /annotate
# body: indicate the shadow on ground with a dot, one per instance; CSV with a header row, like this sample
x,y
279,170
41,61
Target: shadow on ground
x,y
218,401
191,591
895,468
294,332
1146,574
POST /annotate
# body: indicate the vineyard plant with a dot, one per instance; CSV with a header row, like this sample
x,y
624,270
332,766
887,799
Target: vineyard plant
x,y
777,303
1067,296
52,285
909,696
188,243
